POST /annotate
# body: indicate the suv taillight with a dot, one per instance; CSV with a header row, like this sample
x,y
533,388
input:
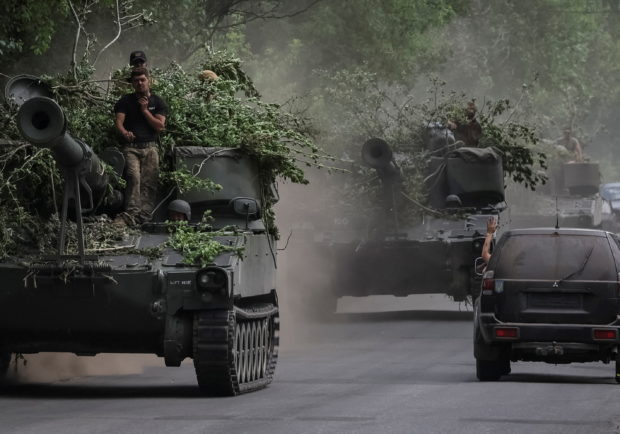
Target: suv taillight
x,y
488,283
604,334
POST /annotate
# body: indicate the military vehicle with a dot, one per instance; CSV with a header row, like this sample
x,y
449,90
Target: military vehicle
x,y
610,195
224,316
436,253
569,199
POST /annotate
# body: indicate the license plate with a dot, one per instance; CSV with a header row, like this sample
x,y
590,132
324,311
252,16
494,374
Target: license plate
x,y
555,301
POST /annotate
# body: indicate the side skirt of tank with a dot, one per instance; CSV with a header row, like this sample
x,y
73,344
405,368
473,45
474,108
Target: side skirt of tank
x,y
405,267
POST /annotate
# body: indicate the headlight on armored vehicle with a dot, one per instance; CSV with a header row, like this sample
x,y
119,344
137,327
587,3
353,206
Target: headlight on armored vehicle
x,y
211,280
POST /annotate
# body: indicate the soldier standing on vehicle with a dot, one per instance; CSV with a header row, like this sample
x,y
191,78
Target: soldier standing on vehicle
x,y
137,59
571,144
468,132
140,117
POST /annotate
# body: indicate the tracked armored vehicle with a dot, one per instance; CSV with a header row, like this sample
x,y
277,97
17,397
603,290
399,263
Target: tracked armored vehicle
x,y
570,199
223,315
434,254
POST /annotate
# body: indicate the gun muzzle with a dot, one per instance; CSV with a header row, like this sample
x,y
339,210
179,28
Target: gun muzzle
x,y
42,122
376,153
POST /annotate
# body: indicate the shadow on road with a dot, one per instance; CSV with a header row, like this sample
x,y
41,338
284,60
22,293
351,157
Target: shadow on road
x,y
410,315
64,391
559,378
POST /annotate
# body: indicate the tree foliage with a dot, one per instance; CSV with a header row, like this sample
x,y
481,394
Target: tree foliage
x,y
202,113
28,25
358,106
198,244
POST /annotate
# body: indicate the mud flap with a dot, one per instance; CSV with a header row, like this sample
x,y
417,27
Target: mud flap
x,y
460,285
483,350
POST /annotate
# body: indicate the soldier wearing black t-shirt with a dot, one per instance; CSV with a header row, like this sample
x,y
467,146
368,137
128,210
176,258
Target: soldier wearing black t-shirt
x,y
140,116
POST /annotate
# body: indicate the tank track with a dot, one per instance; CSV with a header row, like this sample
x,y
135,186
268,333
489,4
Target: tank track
x,y
235,351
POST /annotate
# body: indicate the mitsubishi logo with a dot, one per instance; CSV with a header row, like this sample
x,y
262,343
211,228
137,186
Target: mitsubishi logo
x,y
555,284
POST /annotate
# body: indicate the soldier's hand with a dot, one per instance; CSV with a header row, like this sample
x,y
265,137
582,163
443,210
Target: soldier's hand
x,y
144,103
491,225
129,136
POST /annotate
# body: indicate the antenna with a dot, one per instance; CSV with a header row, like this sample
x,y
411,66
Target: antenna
x,y
557,214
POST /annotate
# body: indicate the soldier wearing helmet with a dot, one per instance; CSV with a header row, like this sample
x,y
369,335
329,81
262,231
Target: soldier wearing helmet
x,y
179,210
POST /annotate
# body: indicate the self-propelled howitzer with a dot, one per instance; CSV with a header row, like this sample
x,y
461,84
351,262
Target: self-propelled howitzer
x,y
142,295
438,252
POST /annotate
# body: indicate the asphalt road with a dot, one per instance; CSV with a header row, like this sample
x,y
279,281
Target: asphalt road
x,y
402,372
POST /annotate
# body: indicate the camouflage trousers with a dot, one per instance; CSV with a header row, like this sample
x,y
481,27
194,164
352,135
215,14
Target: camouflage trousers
x,y
142,176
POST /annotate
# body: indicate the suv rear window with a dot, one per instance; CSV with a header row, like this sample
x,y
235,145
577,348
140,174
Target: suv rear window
x,y
555,257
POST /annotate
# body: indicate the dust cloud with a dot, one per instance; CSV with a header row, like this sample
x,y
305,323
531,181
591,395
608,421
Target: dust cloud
x,y
301,271
55,367
306,272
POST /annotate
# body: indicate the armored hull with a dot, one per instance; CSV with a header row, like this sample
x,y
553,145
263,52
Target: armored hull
x,y
427,260
134,304
440,262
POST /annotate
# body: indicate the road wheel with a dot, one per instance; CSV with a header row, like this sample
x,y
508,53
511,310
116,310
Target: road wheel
x,y
618,368
235,351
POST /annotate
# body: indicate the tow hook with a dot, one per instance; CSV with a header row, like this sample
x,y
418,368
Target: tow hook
x,y
158,307
550,350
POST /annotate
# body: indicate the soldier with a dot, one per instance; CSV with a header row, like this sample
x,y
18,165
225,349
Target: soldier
x,y
208,75
179,210
571,144
137,59
140,117
469,132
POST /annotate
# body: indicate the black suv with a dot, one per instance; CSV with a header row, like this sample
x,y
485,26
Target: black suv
x,y
549,295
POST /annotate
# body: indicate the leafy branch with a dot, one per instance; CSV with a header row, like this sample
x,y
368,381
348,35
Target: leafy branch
x,y
198,244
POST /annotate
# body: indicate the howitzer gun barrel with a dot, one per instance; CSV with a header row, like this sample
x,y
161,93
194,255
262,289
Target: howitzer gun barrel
x,y
42,122
377,154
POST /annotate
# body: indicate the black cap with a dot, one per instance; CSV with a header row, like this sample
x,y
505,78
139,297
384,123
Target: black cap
x,y
137,56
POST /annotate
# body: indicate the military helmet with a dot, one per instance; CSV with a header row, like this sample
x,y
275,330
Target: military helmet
x,y
182,207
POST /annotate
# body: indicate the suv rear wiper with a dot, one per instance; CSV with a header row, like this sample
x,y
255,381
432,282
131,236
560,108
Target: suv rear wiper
x,y
579,270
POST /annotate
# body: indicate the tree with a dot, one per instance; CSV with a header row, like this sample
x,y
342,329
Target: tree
x,y
392,38
32,27
28,26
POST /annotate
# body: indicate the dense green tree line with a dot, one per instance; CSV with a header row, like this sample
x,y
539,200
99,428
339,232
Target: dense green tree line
x,y
555,60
